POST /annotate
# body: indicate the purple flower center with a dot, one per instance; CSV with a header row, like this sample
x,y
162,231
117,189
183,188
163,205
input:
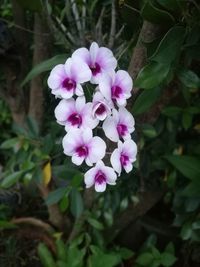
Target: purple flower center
x,y
82,151
75,119
69,84
124,159
116,91
100,177
95,68
100,110
122,129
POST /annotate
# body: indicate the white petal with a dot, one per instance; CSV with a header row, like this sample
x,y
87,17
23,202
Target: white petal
x,y
82,53
126,118
106,59
123,80
67,66
105,84
56,77
80,103
115,161
128,167
130,148
100,187
87,135
110,130
63,110
65,93
80,71
121,101
77,160
79,90
97,149
71,140
94,48
89,177
111,176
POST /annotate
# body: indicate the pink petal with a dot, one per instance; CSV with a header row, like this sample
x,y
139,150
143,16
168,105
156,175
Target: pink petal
x,y
100,187
110,130
63,110
115,161
97,149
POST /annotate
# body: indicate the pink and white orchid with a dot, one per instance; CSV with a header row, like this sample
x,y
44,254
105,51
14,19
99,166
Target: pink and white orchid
x,y
75,113
65,79
119,125
101,108
81,145
116,87
124,156
99,176
99,60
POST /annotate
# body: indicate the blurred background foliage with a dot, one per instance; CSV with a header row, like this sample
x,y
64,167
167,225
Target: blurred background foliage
x,y
151,217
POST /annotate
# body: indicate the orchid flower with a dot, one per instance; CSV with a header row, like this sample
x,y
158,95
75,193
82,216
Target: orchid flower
x,y
81,145
99,176
116,87
101,107
124,156
119,125
75,113
65,79
98,59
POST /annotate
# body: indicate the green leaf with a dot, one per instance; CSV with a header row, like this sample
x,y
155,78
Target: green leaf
x,y
11,179
145,100
35,5
187,165
44,66
76,203
170,248
100,259
192,189
61,250
167,259
32,126
55,196
145,259
126,253
149,131
171,111
152,75
186,231
77,180
45,256
156,15
95,224
170,45
171,5
7,225
189,78
9,143
186,120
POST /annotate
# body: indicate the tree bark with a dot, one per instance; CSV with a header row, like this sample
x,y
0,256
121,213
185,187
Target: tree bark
x,y
42,50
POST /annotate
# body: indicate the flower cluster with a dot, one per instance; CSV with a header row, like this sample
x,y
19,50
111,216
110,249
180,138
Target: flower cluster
x,y
106,110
